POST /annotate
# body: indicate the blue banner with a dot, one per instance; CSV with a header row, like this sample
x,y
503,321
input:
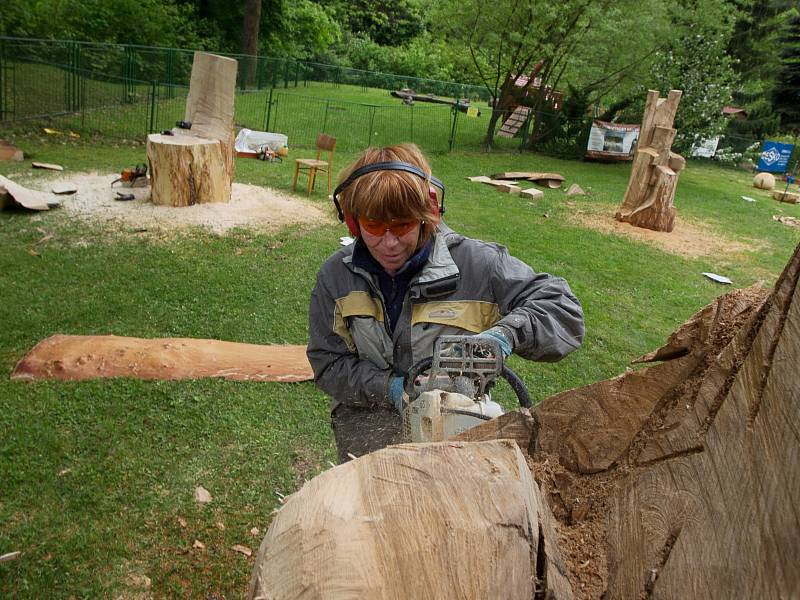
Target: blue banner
x,y
775,157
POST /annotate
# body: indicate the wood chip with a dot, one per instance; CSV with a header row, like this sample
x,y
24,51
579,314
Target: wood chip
x,y
64,188
10,556
254,531
202,495
575,190
220,525
48,166
199,545
532,193
182,522
243,549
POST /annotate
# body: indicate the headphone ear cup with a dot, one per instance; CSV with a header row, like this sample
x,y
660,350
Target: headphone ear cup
x,y
352,225
434,202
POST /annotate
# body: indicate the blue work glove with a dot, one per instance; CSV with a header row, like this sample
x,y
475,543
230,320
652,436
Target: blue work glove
x,y
396,391
496,333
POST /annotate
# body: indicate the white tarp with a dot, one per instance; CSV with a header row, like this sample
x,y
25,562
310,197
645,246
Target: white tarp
x,y
248,140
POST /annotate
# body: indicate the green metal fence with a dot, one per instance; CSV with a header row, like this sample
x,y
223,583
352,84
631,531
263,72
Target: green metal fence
x,y
125,91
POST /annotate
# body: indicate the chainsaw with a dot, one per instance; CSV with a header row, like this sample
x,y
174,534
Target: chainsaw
x,y
455,394
130,177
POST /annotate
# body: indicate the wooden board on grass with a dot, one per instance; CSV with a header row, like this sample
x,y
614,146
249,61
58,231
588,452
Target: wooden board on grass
x,y
77,357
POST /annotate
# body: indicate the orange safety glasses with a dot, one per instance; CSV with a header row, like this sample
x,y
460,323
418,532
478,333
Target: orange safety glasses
x,y
398,227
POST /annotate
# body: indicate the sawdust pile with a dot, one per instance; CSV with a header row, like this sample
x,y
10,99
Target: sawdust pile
x,y
691,240
251,207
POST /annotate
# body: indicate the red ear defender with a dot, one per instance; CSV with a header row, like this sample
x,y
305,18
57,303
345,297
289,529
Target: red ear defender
x,y
437,207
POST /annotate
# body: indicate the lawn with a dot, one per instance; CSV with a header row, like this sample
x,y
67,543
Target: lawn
x,y
98,477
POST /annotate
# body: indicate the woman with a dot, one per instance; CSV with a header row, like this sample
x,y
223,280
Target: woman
x,y
380,303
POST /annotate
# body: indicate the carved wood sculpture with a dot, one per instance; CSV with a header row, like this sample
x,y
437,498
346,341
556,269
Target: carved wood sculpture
x,y
648,201
435,521
195,166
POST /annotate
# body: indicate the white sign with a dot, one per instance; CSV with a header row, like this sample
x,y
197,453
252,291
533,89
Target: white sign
x,y
706,148
612,140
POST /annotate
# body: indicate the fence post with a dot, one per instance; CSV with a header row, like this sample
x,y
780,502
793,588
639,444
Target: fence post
x,y
453,129
371,121
171,73
285,73
3,82
268,110
325,118
296,72
153,88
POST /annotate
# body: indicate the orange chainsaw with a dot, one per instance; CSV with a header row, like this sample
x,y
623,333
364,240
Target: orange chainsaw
x,y
131,176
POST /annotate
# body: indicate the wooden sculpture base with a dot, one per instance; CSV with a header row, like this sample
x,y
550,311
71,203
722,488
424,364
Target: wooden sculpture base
x,y
187,170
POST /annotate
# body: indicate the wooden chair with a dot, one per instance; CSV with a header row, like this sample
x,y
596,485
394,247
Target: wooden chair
x,y
310,166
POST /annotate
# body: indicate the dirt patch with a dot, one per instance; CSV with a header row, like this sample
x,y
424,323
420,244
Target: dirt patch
x,y
251,207
687,239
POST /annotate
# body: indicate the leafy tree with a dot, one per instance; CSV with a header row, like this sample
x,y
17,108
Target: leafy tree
x,y
385,23
592,44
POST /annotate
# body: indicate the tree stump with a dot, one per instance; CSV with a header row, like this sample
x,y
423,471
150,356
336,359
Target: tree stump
x,y
648,201
187,170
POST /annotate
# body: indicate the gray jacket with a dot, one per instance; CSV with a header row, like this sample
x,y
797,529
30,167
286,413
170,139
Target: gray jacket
x,y
467,286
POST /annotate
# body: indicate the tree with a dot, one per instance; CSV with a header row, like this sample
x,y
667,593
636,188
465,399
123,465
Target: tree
x,y
250,28
787,90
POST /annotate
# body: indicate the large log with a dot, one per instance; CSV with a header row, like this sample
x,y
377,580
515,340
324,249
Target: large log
x,y
422,521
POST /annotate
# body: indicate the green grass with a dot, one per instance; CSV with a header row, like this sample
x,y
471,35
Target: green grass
x,y
95,475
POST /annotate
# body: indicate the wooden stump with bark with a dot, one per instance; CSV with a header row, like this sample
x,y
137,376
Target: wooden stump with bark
x,y
650,195
187,170
195,165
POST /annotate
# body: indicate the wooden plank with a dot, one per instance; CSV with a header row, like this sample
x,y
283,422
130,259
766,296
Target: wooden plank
x,y
529,175
724,522
78,357
443,520
212,88
30,199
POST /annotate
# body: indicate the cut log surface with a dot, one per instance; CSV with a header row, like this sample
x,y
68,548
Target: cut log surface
x,y
723,522
77,357
423,521
187,170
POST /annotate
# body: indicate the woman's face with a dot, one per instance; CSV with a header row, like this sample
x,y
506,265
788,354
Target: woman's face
x,y
390,250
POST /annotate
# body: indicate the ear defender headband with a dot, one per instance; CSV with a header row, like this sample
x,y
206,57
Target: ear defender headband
x,y
438,209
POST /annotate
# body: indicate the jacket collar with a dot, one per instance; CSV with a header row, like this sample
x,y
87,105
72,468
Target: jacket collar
x,y
440,265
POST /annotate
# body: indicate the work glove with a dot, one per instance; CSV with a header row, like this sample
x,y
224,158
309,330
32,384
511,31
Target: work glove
x,y
496,333
396,392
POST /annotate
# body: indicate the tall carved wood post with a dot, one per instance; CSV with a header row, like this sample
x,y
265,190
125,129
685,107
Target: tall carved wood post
x,y
650,195
195,165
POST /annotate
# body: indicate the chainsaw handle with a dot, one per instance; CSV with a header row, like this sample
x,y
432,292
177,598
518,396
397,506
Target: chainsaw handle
x,y
512,378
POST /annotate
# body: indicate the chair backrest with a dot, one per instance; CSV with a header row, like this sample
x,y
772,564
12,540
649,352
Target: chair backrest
x,y
326,143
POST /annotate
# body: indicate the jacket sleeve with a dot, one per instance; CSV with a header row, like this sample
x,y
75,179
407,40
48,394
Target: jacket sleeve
x,y
338,371
540,311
